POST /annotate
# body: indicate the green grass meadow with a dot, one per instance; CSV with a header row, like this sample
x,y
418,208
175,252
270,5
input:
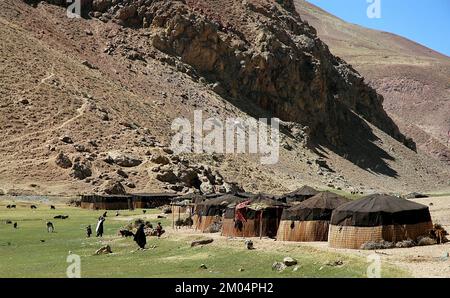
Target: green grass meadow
x,y
22,254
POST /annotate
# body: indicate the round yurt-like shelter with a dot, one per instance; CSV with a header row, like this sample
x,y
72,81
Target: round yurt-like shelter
x,y
210,211
309,220
375,218
254,217
303,193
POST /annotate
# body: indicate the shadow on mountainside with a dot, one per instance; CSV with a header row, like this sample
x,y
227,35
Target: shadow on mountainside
x,y
357,142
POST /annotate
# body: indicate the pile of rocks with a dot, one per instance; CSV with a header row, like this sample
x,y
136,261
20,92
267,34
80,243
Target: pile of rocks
x,y
180,175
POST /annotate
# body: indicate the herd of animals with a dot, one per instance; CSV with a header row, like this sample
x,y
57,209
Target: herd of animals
x,y
139,236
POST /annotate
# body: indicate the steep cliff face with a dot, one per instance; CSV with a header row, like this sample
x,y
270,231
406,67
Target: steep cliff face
x,y
259,52
413,79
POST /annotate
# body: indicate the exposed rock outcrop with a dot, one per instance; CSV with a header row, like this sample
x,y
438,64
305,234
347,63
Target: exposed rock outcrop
x,y
81,169
63,161
123,159
260,53
113,187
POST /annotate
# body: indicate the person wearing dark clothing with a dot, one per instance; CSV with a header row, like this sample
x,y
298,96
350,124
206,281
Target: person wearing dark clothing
x,y
159,230
88,231
99,228
139,236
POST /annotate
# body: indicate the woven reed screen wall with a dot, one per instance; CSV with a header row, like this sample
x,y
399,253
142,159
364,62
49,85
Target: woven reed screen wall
x,y
303,231
251,227
180,210
203,222
355,237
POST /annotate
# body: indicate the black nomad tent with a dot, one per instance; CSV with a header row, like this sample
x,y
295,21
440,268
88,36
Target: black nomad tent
x,y
375,218
309,220
299,195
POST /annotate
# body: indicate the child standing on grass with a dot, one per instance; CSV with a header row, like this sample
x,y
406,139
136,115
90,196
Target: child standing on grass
x,y
159,230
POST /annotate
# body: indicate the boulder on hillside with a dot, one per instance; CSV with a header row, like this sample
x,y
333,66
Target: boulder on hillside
x,y
167,176
206,187
81,169
122,173
123,159
63,161
66,139
160,159
113,187
189,177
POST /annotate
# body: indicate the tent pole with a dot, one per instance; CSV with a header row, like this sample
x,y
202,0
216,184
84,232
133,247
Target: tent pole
x,y
179,214
173,219
260,224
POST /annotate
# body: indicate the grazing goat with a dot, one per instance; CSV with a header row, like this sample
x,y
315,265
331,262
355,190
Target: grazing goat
x,y
13,206
61,216
126,233
33,207
52,207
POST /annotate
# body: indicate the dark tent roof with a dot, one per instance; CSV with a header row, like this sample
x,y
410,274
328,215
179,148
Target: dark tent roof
x,y
215,206
319,207
258,202
261,201
300,194
105,198
193,197
380,209
224,200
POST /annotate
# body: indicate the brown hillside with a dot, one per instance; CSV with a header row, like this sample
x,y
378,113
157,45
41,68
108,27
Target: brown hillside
x,y
413,79
112,86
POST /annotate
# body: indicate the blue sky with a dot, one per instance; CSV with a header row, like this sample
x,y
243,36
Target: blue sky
x,y
424,21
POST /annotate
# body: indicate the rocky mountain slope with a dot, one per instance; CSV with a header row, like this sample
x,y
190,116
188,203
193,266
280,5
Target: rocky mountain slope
x,y
413,79
87,103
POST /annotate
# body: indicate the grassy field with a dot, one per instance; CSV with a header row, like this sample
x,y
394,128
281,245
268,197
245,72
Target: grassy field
x,y
22,254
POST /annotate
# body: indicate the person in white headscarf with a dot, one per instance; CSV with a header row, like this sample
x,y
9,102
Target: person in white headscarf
x,y
99,229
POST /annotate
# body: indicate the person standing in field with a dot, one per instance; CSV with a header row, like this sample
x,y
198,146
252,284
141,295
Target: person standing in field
x,y
159,230
139,237
99,229
50,227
